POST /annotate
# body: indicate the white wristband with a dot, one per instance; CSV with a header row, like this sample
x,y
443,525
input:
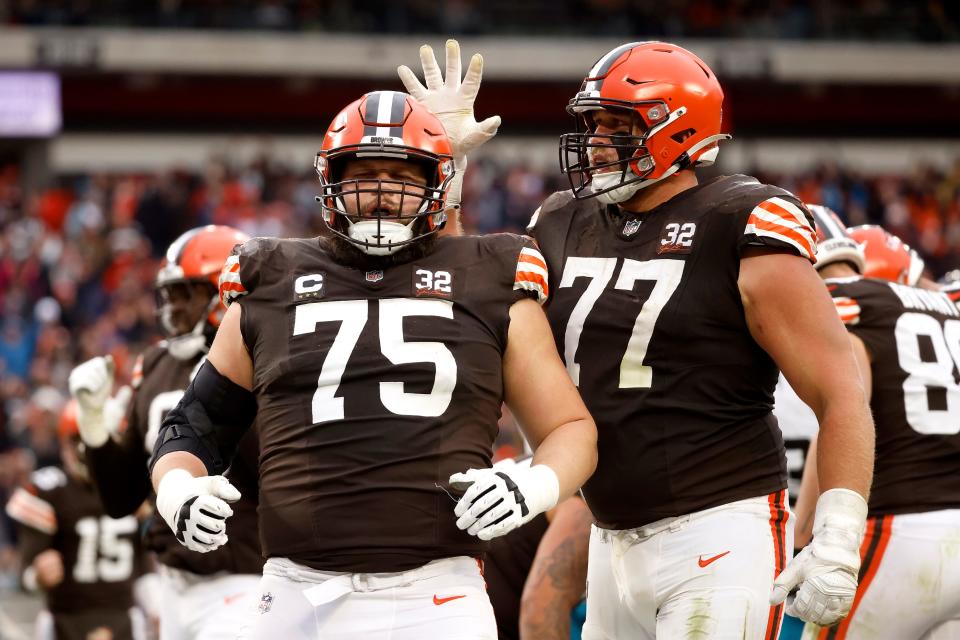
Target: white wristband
x,y
174,489
547,488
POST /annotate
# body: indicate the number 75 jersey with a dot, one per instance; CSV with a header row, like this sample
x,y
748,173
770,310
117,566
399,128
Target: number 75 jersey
x,y
913,338
646,312
372,388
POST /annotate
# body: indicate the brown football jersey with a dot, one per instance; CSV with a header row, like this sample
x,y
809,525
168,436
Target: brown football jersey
x,y
913,338
646,312
122,477
372,388
101,555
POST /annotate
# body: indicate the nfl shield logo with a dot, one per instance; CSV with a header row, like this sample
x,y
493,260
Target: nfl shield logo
x,y
374,276
631,227
266,601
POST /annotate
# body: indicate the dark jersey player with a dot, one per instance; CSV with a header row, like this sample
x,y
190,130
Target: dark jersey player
x,y
674,303
201,596
376,359
907,340
84,560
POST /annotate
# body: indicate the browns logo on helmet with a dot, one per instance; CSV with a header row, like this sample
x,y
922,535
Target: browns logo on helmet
x,y
187,287
376,215
674,100
887,257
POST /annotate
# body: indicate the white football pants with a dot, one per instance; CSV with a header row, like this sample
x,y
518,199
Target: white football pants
x,y
704,575
909,581
194,607
443,599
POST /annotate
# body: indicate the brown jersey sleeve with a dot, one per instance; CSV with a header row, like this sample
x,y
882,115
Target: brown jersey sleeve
x,y
780,222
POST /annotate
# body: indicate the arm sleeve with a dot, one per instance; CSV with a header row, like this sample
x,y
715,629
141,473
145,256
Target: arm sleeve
x,y
780,223
530,276
119,470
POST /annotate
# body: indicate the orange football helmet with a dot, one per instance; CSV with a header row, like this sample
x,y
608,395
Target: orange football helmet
x,y
674,97
68,427
389,125
887,257
834,243
197,256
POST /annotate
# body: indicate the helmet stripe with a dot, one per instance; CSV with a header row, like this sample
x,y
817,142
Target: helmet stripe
x,y
175,251
603,65
370,115
384,107
396,113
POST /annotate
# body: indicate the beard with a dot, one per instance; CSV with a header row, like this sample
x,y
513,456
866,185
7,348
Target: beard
x,y
350,255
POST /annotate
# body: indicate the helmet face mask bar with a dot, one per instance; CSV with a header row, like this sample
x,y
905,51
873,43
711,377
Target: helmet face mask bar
x,y
376,214
379,215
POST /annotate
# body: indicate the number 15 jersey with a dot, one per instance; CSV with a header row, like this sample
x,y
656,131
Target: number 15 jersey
x,y
646,312
372,388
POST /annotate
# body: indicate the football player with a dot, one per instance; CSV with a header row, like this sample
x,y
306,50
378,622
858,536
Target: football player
x,y
375,359
674,304
889,258
202,596
83,560
907,341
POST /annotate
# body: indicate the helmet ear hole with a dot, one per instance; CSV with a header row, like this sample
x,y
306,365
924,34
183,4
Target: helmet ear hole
x,y
680,136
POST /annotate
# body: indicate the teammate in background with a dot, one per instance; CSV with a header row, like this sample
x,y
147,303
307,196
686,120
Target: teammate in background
x,y
674,304
202,596
83,560
907,341
376,359
889,258
536,576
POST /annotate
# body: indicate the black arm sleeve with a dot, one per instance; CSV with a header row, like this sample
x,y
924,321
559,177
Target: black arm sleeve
x,y
209,421
126,460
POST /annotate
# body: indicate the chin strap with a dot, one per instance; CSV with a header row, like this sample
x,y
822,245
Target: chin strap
x,y
191,344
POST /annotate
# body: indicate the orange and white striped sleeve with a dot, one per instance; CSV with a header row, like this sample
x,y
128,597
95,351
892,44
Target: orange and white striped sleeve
x,y
531,274
848,310
31,510
231,287
780,222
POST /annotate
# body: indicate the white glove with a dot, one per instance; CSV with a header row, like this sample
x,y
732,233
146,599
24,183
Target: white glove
x,y
196,509
452,103
500,500
98,414
827,568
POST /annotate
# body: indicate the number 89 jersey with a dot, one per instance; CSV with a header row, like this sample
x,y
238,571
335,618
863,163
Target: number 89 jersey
x,y
647,314
913,338
372,388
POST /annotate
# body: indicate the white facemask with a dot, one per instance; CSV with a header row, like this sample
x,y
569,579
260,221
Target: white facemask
x,y
603,181
390,238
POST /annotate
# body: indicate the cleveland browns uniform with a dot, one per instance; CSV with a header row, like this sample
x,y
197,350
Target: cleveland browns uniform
x,y
120,471
910,575
647,314
372,388
101,555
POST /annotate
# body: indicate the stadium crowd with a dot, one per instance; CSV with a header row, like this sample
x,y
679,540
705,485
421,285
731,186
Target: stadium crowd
x,y
77,262
935,20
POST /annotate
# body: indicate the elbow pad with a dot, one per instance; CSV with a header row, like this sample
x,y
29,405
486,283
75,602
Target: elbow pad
x,y
208,422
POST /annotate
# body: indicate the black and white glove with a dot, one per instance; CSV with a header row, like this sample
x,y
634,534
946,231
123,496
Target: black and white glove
x,y
827,568
99,415
501,499
196,509
452,102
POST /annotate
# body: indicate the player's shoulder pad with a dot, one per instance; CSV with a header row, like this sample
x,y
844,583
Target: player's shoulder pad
x,y
558,208
31,504
146,362
525,265
769,214
847,294
246,266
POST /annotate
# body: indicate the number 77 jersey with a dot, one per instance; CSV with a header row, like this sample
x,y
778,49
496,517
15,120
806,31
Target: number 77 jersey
x,y
647,315
373,387
913,338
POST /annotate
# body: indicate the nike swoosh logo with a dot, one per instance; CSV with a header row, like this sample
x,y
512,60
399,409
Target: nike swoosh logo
x,y
439,601
704,563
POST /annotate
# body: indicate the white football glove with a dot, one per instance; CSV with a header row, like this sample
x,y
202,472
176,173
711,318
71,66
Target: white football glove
x,y
827,568
196,509
452,102
500,500
99,415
